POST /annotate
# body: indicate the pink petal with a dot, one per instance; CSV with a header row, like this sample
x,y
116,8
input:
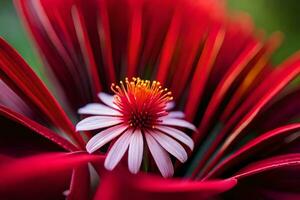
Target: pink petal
x,y
104,137
176,114
171,145
98,109
170,105
97,122
135,152
117,151
107,99
160,156
177,134
178,122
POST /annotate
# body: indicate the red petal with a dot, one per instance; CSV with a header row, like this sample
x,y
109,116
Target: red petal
x,y
269,164
283,76
80,184
104,34
50,24
203,68
135,39
37,128
224,85
32,168
120,185
17,74
86,49
168,48
267,91
253,147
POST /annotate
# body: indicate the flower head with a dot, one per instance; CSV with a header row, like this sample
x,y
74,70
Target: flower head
x,y
138,111
221,78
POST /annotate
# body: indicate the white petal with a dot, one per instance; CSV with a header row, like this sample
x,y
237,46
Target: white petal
x,y
170,105
97,122
171,145
98,109
177,134
117,151
107,99
160,156
176,114
104,137
177,122
135,152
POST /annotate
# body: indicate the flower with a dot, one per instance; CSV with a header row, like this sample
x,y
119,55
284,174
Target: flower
x,y
138,110
219,71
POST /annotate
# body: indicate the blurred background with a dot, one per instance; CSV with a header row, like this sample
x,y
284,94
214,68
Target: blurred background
x,y
270,15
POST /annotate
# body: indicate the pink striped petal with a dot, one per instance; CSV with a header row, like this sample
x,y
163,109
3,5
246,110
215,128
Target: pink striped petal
x,y
135,152
177,122
97,122
104,137
177,134
170,145
160,156
117,151
176,114
107,99
98,109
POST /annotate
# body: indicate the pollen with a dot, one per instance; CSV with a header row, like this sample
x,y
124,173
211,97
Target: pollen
x,y
141,102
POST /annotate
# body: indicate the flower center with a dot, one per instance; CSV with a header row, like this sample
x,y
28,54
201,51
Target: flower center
x,y
142,102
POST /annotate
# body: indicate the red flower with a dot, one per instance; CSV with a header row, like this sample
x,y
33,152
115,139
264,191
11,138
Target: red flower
x,y
219,72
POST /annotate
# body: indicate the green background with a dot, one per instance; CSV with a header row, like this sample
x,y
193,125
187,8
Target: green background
x,y
269,15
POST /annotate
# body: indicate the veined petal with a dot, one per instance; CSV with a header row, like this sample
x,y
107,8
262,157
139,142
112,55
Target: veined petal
x,y
117,151
135,152
107,99
177,122
171,145
104,137
98,109
177,134
176,114
97,122
160,156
